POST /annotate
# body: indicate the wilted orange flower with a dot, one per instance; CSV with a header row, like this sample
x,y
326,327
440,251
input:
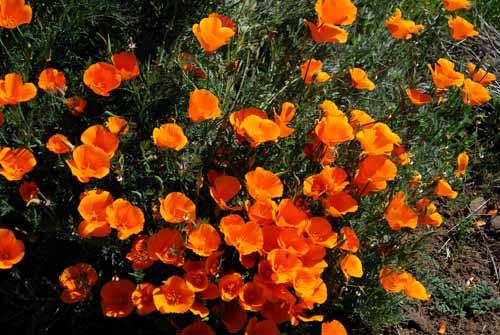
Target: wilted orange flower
x,y
312,68
378,139
453,5
190,64
116,298
76,105
14,91
170,135
444,75
102,78
462,162
442,327
99,137
332,130
223,189
324,32
398,214
262,184
259,130
14,13
360,79
88,162
197,328
116,125
474,94
125,217
174,296
77,280
461,28
139,253
203,105
428,214
230,286
92,208
417,97
351,266
400,28
59,144
336,11
15,163
51,80
214,31
333,328
481,76
11,249
444,189
142,298
339,203
28,190
177,208
167,245
126,64
204,240
401,155
284,118
265,327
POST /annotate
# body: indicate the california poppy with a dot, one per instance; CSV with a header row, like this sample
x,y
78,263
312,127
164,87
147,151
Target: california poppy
x,y
230,286
59,144
126,64
167,245
377,140
223,188
320,232
258,130
283,264
247,238
444,74
428,214
373,174
203,240
214,31
139,255
142,298
453,5
351,241
92,208
398,214
333,328
400,28
333,130
444,189
125,217
99,137
265,327
13,90
174,296
324,32
417,97
251,297
336,11
169,135
76,105
28,190
15,163
351,266
414,289
329,108
102,78
311,71
338,204
481,76
11,249
77,280
262,184
116,298
360,80
177,207
197,280
461,28
474,94
51,80
88,162
203,105
393,280
462,162
236,119
116,125
14,13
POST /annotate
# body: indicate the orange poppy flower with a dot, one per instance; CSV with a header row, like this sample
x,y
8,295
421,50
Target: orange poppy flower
x,y
265,327
339,203
262,184
414,289
474,94
116,298
125,217
246,238
197,328
169,135
461,28
332,130
233,316
393,281
204,240
351,266
203,105
214,31
373,174
312,68
442,327
360,80
116,125
11,249
14,13
401,155
462,162
92,208
336,11
320,232
236,119
88,162
453,5
377,140
76,105
261,212
290,216
99,137
196,279
428,214
444,189
15,163
51,80
174,296
177,207
28,190
230,286
139,253
142,298
415,181
190,64
167,245
210,293
259,130
400,28
361,119
77,280
481,76
329,33
417,97
333,327
291,241
223,189
398,214
126,64
102,78
251,297
444,75
14,91
59,144
306,281
283,264
351,241
329,108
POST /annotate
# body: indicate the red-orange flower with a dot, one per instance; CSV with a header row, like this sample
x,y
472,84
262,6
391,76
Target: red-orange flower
x,y
223,188
59,144
142,298
11,249
252,297
333,328
474,94
400,28
28,190
453,5
92,208
262,184
351,266
351,241
373,174
360,80
311,71
398,214
77,280
214,31
461,28
177,208
259,130
139,253
417,97
332,130
462,162
339,203
15,163
14,91
324,32
126,64
76,105
99,137
167,245
102,78
14,13
51,80
378,139
203,105
444,75
89,162
265,327
170,135
197,328
444,189
125,217
204,240
336,11
116,298
320,232
230,286
481,76
174,296
116,125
